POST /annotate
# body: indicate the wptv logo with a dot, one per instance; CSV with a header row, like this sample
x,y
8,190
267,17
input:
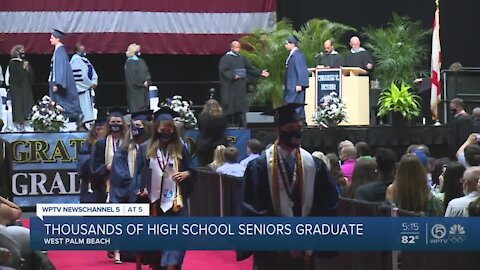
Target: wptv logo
x,y
456,234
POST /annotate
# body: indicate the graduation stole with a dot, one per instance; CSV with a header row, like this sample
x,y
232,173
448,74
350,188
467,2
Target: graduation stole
x,y
111,147
132,156
178,199
278,174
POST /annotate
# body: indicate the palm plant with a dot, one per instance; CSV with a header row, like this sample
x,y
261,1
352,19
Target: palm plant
x,y
266,50
399,50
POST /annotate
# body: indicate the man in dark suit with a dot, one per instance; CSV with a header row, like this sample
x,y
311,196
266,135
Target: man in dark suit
x,y
461,125
476,120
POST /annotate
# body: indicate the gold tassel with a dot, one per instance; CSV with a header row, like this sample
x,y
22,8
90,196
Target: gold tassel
x,y
178,200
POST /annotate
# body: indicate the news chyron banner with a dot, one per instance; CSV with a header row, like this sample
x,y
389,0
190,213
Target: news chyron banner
x,y
44,164
128,227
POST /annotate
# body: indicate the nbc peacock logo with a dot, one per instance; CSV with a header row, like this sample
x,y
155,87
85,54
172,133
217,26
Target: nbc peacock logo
x,y
457,234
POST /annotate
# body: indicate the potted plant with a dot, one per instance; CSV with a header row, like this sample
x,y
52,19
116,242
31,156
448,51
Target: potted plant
x,y
267,50
330,111
47,116
400,104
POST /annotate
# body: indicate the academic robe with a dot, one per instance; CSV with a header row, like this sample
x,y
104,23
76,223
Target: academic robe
x,y
233,92
20,81
320,199
122,186
98,168
84,173
136,73
296,73
85,76
61,75
358,59
461,128
333,59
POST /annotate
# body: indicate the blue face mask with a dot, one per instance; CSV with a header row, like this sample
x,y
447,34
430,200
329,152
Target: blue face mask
x,y
137,131
115,128
164,137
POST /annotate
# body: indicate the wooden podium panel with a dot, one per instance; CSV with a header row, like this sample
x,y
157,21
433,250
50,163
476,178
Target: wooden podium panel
x,y
354,91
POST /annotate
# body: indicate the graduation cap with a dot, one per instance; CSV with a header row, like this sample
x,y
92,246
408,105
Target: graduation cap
x,y
165,114
143,115
117,111
285,114
293,40
100,122
57,33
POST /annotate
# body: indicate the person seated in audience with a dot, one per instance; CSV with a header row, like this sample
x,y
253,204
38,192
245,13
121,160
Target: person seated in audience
x,y
365,171
459,207
438,168
348,155
343,144
218,157
474,207
450,183
375,191
476,119
9,212
232,167
409,191
322,157
336,172
469,153
363,149
424,160
254,148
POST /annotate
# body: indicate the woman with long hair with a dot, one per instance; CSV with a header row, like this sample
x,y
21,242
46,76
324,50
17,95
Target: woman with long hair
x,y
211,125
451,186
87,189
218,157
164,174
365,171
410,191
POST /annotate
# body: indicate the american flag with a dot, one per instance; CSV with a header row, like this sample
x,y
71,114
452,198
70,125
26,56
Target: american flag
x,y
109,26
436,64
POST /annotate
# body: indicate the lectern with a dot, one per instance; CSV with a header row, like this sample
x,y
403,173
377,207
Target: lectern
x,y
348,83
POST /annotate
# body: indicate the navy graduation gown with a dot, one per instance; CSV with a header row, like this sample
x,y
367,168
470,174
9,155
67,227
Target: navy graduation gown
x,y
98,169
122,187
61,75
84,173
257,201
296,73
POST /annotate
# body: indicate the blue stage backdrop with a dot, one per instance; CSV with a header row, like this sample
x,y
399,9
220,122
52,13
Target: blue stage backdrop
x,y
44,164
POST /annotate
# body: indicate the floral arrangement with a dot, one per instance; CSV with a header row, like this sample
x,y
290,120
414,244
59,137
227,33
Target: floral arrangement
x,y
330,109
47,116
182,107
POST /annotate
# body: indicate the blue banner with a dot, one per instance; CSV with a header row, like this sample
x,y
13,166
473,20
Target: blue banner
x,y
328,80
266,233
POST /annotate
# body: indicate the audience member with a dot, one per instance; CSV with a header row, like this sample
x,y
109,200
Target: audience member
x,y
474,207
363,149
348,155
211,127
322,157
461,124
365,171
375,191
476,119
469,153
336,172
218,157
438,168
342,144
450,183
409,190
254,148
459,207
231,167
9,212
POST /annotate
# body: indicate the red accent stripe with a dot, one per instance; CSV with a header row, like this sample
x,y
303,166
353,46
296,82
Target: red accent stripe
x,y
118,43
201,6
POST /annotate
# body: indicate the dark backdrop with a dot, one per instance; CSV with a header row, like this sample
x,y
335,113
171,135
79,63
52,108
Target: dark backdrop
x,y
193,76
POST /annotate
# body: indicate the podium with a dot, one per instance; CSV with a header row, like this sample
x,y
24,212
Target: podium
x,y
348,83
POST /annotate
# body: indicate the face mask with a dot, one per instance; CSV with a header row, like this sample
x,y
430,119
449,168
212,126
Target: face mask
x,y
83,54
115,128
138,53
164,137
21,55
291,138
453,111
136,131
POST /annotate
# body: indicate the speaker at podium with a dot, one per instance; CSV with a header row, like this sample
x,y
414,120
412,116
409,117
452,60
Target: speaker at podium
x,y
349,83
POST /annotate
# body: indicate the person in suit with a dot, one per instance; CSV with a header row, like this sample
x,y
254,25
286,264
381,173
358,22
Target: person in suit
x,y
461,126
296,76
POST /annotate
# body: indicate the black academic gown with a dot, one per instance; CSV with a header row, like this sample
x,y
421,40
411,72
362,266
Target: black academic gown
x,y
99,172
122,186
461,128
84,173
233,93
20,82
359,59
257,201
330,60
136,73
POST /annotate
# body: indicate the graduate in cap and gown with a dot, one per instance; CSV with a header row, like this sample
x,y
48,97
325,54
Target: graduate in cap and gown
x,y
164,174
86,79
296,76
104,150
88,191
122,186
287,181
62,87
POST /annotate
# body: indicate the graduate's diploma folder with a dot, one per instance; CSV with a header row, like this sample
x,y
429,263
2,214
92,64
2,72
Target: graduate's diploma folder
x,y
241,73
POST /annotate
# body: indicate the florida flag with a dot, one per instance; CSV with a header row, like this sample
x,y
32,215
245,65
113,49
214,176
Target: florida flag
x,y
436,64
